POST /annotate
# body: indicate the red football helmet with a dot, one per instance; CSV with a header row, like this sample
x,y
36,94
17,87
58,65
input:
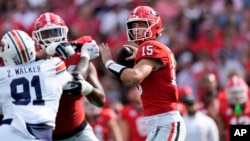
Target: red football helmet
x,y
237,90
150,17
49,28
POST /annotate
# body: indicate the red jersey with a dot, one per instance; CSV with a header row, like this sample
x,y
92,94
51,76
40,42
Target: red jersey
x,y
71,113
227,113
135,120
100,124
159,90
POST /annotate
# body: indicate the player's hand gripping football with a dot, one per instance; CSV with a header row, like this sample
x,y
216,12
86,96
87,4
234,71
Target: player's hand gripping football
x,y
90,50
105,52
134,51
63,49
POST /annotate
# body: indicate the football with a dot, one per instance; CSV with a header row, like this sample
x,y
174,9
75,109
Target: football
x,y
121,56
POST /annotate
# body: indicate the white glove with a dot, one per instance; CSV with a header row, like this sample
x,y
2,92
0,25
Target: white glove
x,y
63,49
90,50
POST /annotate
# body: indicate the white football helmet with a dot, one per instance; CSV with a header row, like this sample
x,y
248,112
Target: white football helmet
x,y
236,90
17,47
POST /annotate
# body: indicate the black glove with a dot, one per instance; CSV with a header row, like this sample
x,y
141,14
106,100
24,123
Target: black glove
x,y
73,87
78,86
65,50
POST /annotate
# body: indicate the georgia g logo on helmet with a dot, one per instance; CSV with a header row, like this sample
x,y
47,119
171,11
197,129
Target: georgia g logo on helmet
x,y
154,13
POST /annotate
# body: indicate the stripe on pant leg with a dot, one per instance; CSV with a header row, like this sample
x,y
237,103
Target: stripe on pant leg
x,y
170,137
177,132
174,135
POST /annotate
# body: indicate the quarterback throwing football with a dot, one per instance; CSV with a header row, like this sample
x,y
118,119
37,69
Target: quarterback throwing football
x,y
154,71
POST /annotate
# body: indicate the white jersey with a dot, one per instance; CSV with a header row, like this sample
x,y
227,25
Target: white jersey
x,y
32,91
201,128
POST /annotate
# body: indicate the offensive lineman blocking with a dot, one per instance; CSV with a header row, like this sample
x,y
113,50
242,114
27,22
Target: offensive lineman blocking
x,y
71,124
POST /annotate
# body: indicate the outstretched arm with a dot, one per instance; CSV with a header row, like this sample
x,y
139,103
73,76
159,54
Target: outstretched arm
x,y
64,49
89,51
97,97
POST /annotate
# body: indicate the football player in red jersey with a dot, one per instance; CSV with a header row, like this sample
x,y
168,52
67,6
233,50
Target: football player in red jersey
x,y
71,125
154,72
234,104
131,118
104,122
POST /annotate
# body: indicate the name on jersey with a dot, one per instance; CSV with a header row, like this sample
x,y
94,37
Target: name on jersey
x,y
19,71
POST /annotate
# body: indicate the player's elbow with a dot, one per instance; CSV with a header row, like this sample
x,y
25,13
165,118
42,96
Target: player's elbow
x,y
98,104
101,102
97,98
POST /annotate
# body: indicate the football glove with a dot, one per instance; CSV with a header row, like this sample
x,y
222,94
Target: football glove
x,y
63,49
90,50
78,86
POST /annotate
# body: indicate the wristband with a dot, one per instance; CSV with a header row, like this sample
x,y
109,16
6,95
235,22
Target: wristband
x,y
87,88
115,68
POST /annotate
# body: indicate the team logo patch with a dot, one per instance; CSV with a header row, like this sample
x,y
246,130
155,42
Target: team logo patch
x,y
2,47
153,13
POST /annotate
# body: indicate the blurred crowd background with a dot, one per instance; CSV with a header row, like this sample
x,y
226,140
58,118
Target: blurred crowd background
x,y
206,36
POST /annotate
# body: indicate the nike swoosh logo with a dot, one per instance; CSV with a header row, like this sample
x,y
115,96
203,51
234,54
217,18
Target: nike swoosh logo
x,y
71,86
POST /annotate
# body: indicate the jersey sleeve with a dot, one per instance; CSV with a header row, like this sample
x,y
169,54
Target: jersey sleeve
x,y
60,67
62,75
154,50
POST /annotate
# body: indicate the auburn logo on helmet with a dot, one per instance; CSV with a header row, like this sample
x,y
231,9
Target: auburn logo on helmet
x,y
2,46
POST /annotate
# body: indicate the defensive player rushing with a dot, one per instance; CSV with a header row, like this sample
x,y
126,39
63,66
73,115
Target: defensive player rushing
x,y
71,125
154,71
30,90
